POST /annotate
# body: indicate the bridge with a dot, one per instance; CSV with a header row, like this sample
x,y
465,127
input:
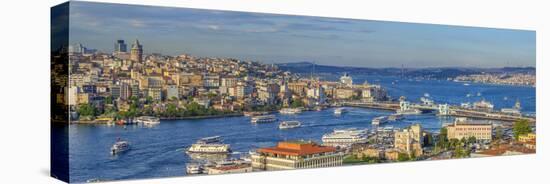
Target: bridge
x,y
442,109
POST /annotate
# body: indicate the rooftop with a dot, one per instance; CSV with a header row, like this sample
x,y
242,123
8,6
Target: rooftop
x,y
297,148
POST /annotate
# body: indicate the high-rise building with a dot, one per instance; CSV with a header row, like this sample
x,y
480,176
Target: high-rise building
x,y
120,46
136,53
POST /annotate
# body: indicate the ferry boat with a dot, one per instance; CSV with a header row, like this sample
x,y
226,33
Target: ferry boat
x,y
339,111
119,147
148,120
263,119
345,137
290,111
194,168
409,112
210,140
395,117
210,145
379,120
289,124
483,104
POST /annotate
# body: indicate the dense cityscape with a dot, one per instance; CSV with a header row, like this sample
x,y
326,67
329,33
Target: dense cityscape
x,y
129,88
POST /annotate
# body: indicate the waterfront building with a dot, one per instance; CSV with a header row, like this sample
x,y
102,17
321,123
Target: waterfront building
x,y
120,46
136,53
410,140
233,168
346,80
344,93
296,155
371,153
155,93
464,128
374,93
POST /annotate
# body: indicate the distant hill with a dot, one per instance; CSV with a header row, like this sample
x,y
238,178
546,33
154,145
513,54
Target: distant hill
x,y
436,73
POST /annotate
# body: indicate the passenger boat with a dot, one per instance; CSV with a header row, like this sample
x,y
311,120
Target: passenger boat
x,y
396,117
339,111
209,145
345,137
409,112
379,120
289,124
263,119
119,147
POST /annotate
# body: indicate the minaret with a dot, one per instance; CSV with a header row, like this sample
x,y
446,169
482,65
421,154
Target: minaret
x,y
136,53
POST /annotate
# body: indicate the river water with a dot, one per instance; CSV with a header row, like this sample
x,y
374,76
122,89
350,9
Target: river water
x,y
160,151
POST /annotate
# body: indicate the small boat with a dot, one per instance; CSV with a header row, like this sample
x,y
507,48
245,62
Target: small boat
x,y
194,168
263,119
426,95
478,93
379,120
468,95
339,111
119,147
289,124
396,117
466,84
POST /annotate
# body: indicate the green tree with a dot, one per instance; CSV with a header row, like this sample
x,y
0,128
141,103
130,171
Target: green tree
x,y
472,140
296,103
171,110
402,157
87,110
109,100
521,127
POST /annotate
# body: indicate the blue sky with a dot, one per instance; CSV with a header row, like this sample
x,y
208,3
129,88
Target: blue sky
x,y
273,38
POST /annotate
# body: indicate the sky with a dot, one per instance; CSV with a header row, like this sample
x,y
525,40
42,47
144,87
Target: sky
x,y
272,38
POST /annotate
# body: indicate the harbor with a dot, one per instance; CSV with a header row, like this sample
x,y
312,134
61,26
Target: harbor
x,y
162,149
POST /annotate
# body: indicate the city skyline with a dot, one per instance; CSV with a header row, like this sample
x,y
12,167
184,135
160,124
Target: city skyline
x,y
271,38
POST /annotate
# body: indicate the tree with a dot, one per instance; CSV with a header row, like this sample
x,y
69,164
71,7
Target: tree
x,y
109,100
171,110
472,140
87,110
297,103
521,127
402,157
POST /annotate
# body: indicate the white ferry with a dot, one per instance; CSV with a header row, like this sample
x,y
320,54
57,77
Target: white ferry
x,y
120,146
289,124
409,111
290,111
209,145
345,137
339,111
483,104
379,120
263,119
148,120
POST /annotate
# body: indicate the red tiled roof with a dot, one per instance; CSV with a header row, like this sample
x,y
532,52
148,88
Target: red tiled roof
x,y
297,149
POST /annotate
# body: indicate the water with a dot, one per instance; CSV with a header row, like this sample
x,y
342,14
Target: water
x,y
160,151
